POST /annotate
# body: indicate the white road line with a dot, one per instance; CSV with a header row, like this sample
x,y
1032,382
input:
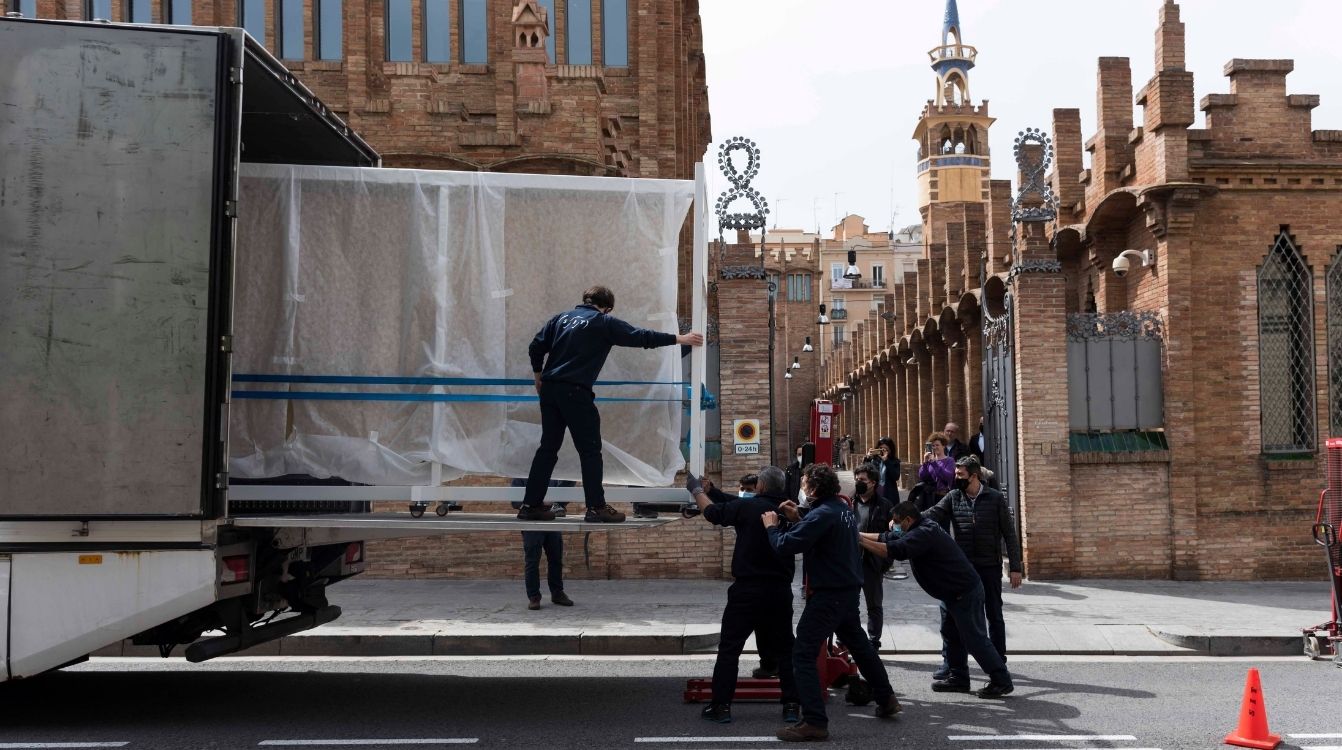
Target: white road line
x,y
1321,747
1042,737
335,743
705,739
20,745
1331,736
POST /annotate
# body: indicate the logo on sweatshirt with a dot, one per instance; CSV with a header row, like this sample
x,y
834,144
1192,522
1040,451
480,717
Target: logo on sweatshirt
x,y
571,322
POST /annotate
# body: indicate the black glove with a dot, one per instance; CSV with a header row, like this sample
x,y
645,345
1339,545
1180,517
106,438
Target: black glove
x,y
694,484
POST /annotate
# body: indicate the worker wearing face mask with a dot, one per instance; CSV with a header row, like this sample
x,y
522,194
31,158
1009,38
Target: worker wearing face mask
x,y
874,514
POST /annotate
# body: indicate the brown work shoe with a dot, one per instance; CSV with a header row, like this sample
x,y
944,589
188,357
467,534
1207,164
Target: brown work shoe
x,y
803,732
535,513
887,708
534,602
604,514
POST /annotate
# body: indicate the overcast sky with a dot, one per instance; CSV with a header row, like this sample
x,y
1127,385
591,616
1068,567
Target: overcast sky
x,y
831,91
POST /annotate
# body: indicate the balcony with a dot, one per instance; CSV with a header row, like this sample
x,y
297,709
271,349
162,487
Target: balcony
x,y
838,314
953,52
840,285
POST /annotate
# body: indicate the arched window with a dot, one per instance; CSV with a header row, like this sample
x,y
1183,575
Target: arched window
x,y
1335,345
1286,349
615,33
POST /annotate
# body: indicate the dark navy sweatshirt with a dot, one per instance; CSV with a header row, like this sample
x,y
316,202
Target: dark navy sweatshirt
x,y
753,558
572,347
939,565
827,537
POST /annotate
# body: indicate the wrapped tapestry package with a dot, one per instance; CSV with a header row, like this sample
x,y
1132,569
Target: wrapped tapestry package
x,y
384,275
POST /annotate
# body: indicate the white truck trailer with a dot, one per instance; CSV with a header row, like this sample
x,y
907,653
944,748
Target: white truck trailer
x,y
122,152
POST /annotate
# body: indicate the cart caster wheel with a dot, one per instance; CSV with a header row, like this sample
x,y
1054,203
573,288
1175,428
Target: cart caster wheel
x,y
859,693
416,511
689,511
1316,647
442,509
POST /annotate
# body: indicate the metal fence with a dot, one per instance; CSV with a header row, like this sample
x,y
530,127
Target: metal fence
x,y
1114,379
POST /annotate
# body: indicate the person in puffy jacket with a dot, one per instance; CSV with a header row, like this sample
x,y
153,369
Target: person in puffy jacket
x,y
566,358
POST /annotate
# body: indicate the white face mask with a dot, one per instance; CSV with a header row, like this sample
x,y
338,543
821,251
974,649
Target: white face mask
x,y
746,494
801,496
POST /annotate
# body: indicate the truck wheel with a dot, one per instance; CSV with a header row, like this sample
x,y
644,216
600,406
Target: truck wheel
x,y
416,511
442,509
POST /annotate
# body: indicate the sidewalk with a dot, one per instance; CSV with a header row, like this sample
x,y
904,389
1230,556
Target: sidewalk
x,y
417,617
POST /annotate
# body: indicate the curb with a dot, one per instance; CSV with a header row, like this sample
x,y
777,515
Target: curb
x,y
1235,645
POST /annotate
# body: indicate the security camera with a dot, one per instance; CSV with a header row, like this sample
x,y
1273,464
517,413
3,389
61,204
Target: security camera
x,y
1123,263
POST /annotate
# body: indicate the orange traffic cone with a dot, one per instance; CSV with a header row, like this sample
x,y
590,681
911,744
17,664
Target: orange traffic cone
x,y
1252,731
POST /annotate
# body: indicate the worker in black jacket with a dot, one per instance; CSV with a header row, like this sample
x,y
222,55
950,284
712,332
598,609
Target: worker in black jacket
x,y
873,515
982,523
943,571
760,598
566,358
827,538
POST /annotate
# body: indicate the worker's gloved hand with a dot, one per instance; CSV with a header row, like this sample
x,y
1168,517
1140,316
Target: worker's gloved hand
x,y
694,484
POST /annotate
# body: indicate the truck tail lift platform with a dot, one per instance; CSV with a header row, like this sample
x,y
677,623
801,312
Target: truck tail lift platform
x,y
1325,640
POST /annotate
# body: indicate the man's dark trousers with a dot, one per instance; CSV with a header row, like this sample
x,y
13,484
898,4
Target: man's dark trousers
x,y
992,605
565,406
552,543
965,631
833,612
874,593
764,608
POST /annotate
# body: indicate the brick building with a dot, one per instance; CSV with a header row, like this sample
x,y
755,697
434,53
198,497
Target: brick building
x,y
585,87
1161,422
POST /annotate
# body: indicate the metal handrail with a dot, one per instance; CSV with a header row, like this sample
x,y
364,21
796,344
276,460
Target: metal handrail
x,y
953,52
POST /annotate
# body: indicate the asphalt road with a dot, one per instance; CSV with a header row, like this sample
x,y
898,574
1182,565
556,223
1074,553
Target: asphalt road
x,y
588,703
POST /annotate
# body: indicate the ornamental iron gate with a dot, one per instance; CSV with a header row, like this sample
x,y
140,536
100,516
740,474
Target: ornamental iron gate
x,y
999,397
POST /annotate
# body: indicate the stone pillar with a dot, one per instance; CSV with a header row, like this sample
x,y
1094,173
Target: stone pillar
x,y
899,376
743,332
941,407
956,387
925,388
912,414
891,401
1044,458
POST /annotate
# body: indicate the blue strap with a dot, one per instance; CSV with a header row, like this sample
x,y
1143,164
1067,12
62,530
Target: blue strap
x,y
425,380
413,397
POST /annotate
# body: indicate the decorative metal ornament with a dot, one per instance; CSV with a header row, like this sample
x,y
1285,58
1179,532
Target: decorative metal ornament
x,y
1033,266
740,181
1034,172
730,273
1123,326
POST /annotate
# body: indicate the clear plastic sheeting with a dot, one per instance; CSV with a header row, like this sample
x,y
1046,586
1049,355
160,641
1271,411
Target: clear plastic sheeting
x,y
395,273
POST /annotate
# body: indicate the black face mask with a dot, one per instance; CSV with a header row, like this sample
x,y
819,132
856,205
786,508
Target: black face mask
x,y
962,484
862,488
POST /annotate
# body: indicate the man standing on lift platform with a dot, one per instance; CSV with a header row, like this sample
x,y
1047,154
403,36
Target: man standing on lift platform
x,y
566,359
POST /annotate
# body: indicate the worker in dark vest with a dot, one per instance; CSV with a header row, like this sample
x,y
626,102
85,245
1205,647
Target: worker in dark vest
x,y
760,599
566,358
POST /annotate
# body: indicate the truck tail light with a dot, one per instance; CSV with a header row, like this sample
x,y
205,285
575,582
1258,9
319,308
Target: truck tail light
x,y
237,569
354,553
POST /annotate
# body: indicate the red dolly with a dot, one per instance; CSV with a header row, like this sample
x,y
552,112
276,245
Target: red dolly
x,y
1322,641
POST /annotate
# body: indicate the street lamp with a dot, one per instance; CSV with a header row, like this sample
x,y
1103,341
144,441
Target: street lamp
x,y
796,364
823,319
787,376
808,348
853,272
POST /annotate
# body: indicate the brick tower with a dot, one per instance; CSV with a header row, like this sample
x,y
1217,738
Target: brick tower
x,y
952,133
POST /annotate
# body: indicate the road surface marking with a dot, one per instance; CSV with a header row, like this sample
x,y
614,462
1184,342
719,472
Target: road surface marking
x,y
1332,736
706,739
1042,737
19,745
1321,747
333,743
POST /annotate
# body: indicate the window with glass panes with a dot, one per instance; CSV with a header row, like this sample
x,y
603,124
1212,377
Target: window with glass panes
x,y
1286,349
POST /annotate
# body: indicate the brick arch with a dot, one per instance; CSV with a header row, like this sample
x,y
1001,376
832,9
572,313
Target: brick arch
x,y
564,164
413,160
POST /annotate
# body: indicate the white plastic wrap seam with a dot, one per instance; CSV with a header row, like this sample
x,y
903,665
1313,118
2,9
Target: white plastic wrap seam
x,y
400,273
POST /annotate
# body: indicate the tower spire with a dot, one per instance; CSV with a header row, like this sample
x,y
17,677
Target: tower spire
x,y
951,26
